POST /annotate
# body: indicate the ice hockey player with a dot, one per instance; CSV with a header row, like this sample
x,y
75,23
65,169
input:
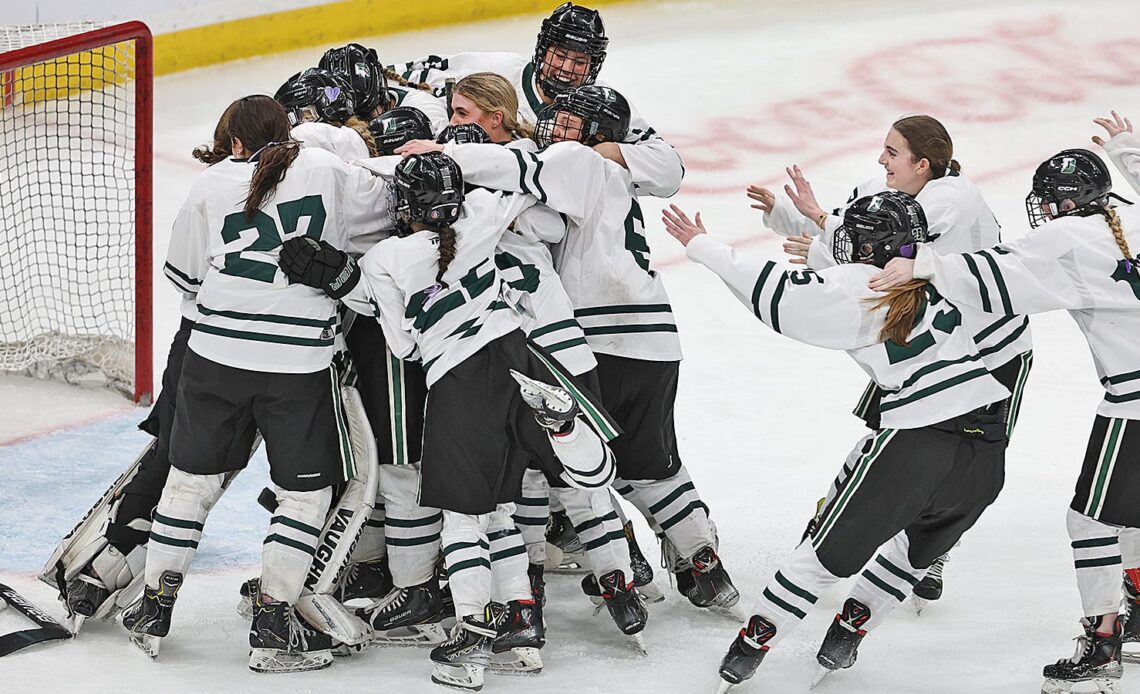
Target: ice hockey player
x,y
320,107
915,347
377,89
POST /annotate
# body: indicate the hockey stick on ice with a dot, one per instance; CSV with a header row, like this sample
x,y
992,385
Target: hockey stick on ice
x,y
49,629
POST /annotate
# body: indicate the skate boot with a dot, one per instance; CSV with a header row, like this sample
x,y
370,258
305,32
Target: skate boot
x,y
537,585
515,651
407,617
1095,667
554,408
281,641
567,547
148,620
1130,636
710,584
623,603
929,588
840,646
460,662
248,592
642,569
745,653
85,594
366,579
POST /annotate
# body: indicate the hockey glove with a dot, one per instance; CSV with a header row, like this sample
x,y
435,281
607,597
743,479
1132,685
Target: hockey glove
x,y
317,264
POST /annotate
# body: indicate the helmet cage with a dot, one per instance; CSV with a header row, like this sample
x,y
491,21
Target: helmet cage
x,y
878,228
430,190
602,120
573,28
463,134
1077,175
315,95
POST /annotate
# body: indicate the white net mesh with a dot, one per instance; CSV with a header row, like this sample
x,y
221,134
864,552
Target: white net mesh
x,y
67,224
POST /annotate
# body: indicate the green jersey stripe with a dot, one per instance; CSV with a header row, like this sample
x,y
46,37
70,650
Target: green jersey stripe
x,y
296,525
171,270
263,337
1101,561
883,586
794,589
933,389
982,290
1108,457
760,286
622,308
269,318
1127,397
553,327
774,314
413,522
1120,378
456,546
565,344
673,496
1095,542
790,609
1003,292
509,552
886,564
600,420
993,327
936,366
1008,340
411,541
621,329
453,569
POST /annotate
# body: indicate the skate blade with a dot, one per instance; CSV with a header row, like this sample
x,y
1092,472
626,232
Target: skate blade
x,y
146,643
919,604
272,661
820,675
1130,655
517,661
724,686
1097,685
570,568
466,677
637,643
245,607
411,635
650,593
74,623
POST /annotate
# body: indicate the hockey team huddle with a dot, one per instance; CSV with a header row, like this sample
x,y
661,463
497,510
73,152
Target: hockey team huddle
x,y
427,290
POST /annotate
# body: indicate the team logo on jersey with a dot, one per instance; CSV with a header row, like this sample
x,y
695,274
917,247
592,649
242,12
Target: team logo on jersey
x,y
1126,271
876,203
327,334
332,93
1068,165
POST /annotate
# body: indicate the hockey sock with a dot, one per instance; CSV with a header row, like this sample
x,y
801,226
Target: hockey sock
x,y
599,528
178,521
412,531
467,555
797,586
887,580
678,510
532,513
509,577
287,552
587,462
370,545
1096,557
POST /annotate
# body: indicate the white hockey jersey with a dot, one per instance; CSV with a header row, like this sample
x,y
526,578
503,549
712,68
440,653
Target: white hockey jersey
x,y
958,214
655,165
432,107
1124,151
442,325
250,316
937,376
342,141
604,260
1070,263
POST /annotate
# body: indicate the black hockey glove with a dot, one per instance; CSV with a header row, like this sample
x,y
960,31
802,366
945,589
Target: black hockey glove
x,y
317,264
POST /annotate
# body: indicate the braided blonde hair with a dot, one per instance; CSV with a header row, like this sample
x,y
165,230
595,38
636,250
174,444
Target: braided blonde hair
x,y
1114,224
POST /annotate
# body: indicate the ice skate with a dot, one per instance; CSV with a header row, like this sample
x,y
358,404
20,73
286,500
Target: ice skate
x,y
642,569
1095,668
280,641
708,584
148,620
929,588
553,407
248,592
840,645
366,579
1130,617
460,662
622,601
407,617
745,653
564,551
515,651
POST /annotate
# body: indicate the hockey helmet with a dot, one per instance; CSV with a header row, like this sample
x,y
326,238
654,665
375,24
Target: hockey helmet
x,y
1074,174
316,95
463,134
879,227
604,113
361,69
395,127
429,190
571,27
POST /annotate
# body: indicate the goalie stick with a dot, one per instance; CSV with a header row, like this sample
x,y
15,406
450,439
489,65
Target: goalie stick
x,y
48,629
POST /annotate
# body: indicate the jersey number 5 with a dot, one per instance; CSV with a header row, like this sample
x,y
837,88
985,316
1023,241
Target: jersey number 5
x,y
268,237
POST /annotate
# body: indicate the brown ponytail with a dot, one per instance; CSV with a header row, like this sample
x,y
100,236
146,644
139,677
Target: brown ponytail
x,y
221,148
272,163
447,243
393,76
928,139
365,134
904,303
1113,220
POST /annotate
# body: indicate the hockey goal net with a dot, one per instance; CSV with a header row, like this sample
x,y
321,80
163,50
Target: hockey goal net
x,y
75,203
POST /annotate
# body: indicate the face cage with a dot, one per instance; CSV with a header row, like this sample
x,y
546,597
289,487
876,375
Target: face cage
x,y
544,130
549,83
303,114
842,246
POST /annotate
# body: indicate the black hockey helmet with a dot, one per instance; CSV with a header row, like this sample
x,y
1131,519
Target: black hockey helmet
x,y
1074,174
879,227
463,134
604,113
574,28
316,95
429,190
361,69
395,127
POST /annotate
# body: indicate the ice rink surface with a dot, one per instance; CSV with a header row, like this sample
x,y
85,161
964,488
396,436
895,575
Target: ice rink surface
x,y
742,89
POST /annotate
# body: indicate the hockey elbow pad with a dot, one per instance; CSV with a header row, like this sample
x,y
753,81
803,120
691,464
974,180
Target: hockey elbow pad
x,y
318,264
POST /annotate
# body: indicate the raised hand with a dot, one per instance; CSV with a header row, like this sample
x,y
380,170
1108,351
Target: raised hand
x,y
1114,127
797,247
679,226
803,197
763,196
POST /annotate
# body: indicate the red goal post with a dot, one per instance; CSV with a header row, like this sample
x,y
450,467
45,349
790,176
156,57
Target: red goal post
x,y
76,134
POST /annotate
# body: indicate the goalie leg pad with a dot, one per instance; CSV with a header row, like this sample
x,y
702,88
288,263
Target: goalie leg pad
x,y
327,615
178,522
